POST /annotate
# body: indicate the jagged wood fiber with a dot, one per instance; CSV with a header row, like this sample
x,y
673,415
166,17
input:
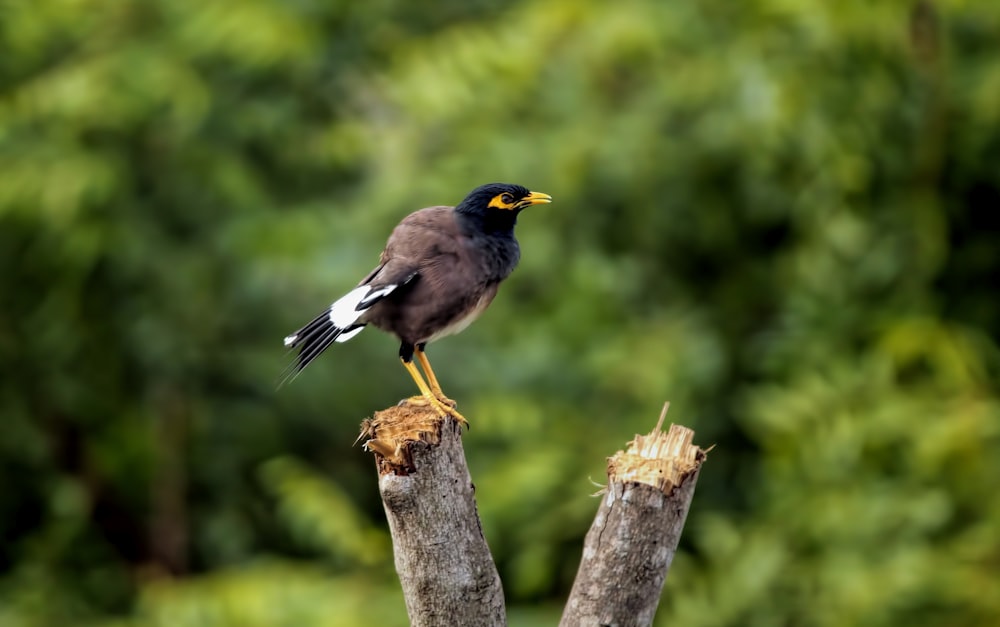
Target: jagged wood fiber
x,y
635,534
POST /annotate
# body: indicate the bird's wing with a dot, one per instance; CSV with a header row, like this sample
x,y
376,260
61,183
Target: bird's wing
x,y
418,240
421,241
390,276
422,237
454,284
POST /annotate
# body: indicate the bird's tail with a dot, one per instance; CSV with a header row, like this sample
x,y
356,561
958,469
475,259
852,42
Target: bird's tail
x,y
314,338
339,323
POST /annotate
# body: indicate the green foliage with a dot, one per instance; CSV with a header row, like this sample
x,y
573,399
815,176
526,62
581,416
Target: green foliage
x,y
781,216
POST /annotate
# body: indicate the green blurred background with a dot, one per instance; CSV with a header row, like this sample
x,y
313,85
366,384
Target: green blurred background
x,y
783,216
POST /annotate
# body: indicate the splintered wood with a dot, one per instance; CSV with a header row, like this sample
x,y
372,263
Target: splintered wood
x,y
634,536
390,432
659,459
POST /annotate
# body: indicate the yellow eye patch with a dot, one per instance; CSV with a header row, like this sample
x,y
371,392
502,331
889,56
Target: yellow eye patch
x,y
503,201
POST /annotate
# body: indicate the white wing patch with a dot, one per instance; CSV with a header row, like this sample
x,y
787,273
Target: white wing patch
x,y
346,311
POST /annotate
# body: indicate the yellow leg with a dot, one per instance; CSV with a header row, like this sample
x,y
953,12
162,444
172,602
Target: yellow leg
x,y
431,379
427,396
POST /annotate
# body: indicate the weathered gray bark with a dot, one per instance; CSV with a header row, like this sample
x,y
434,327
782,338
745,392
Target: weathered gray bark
x,y
444,565
632,541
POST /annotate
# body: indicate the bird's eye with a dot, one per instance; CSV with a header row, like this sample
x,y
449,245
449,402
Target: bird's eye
x,y
507,199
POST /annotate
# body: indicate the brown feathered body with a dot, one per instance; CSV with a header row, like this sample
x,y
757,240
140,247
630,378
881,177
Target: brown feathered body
x,y
440,269
455,269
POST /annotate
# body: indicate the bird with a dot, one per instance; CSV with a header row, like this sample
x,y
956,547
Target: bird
x,y
440,269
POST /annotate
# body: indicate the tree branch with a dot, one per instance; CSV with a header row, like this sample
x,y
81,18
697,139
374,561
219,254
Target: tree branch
x,y
632,541
444,565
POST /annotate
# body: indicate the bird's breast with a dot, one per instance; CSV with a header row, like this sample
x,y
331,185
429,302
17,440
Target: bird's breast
x,y
461,322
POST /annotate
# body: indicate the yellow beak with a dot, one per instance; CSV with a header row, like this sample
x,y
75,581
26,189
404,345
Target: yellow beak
x,y
534,198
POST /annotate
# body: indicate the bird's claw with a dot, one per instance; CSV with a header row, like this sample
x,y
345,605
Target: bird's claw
x,y
442,407
447,401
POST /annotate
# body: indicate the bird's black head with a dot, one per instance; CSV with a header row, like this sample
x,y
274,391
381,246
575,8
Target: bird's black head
x,y
500,202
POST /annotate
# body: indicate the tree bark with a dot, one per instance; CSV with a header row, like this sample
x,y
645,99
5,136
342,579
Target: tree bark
x,y
444,565
634,537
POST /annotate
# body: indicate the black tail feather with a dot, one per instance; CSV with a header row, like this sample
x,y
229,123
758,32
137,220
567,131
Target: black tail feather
x,y
316,343
299,336
311,340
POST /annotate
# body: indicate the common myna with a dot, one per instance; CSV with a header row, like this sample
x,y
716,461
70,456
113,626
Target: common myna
x,y
440,269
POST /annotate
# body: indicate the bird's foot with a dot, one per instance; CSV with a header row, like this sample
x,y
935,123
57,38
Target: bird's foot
x,y
442,407
422,400
446,401
439,393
